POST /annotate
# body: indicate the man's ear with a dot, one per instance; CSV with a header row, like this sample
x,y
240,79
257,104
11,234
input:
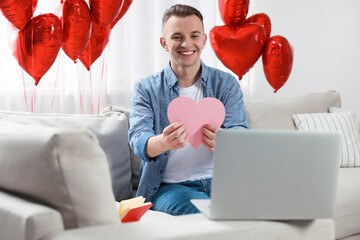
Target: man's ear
x,y
163,44
205,39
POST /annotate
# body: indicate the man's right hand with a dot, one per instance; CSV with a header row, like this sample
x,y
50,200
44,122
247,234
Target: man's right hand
x,y
173,137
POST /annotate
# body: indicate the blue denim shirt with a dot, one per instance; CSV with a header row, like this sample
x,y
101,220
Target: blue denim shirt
x,y
149,102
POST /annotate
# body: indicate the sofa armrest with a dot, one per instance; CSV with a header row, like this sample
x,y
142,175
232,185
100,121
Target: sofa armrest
x,y
24,220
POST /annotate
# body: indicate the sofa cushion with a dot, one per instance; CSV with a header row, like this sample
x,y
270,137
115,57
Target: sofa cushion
x,y
347,208
24,220
276,113
134,159
111,131
158,225
65,169
344,123
357,113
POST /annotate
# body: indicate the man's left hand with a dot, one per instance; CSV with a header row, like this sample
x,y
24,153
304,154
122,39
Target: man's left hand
x,y
208,136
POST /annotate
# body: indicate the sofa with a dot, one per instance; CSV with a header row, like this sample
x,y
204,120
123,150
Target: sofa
x,y
62,176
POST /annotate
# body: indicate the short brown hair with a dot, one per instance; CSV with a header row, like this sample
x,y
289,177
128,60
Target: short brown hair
x,y
180,10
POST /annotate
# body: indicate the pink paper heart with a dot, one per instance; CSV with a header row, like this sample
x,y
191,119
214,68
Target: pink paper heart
x,y
195,115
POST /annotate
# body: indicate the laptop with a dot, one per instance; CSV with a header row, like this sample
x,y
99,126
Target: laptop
x,y
273,175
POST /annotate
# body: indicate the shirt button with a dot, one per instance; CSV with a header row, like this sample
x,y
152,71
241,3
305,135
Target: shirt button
x,y
154,188
161,171
165,154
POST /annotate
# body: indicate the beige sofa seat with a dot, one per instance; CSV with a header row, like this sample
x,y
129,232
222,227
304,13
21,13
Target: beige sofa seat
x,y
157,225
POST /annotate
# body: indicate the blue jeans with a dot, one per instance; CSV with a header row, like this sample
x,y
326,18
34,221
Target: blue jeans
x,y
174,198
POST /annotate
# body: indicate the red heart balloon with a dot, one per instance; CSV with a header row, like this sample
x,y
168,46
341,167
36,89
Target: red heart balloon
x,y
122,12
76,22
277,61
233,12
98,41
104,12
238,49
38,44
263,20
18,12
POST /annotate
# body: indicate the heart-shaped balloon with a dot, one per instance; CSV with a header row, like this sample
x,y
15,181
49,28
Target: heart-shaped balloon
x,y
263,20
38,45
238,49
233,12
104,12
277,61
195,115
122,12
18,12
98,41
76,21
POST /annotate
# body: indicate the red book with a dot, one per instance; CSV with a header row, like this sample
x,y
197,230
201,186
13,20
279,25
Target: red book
x,y
134,214
131,210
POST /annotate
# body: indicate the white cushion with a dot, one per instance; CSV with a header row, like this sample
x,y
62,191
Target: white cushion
x,y
276,113
65,169
347,208
357,114
343,123
111,131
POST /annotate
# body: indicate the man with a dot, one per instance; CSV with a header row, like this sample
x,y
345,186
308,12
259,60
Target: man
x,y
171,171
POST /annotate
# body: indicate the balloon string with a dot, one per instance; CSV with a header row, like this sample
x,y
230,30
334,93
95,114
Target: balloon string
x,y
101,80
91,95
23,77
106,70
35,100
26,103
103,73
81,105
56,79
22,72
34,96
32,101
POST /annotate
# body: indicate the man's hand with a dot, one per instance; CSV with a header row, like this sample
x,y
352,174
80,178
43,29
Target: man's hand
x,y
208,136
173,137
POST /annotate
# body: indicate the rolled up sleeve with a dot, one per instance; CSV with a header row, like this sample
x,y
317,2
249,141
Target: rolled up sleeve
x,y
141,121
235,116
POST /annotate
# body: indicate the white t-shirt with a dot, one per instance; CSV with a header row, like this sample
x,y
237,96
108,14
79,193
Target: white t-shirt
x,y
187,163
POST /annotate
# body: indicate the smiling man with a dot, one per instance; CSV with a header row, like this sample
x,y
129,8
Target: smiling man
x,y
171,171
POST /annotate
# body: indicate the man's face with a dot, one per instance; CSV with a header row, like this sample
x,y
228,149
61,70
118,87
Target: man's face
x,y
184,39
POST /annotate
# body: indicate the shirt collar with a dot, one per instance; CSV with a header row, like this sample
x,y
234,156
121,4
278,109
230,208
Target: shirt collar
x,y
171,78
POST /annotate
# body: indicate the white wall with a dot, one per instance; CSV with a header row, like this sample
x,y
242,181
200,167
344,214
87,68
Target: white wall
x,y
325,35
